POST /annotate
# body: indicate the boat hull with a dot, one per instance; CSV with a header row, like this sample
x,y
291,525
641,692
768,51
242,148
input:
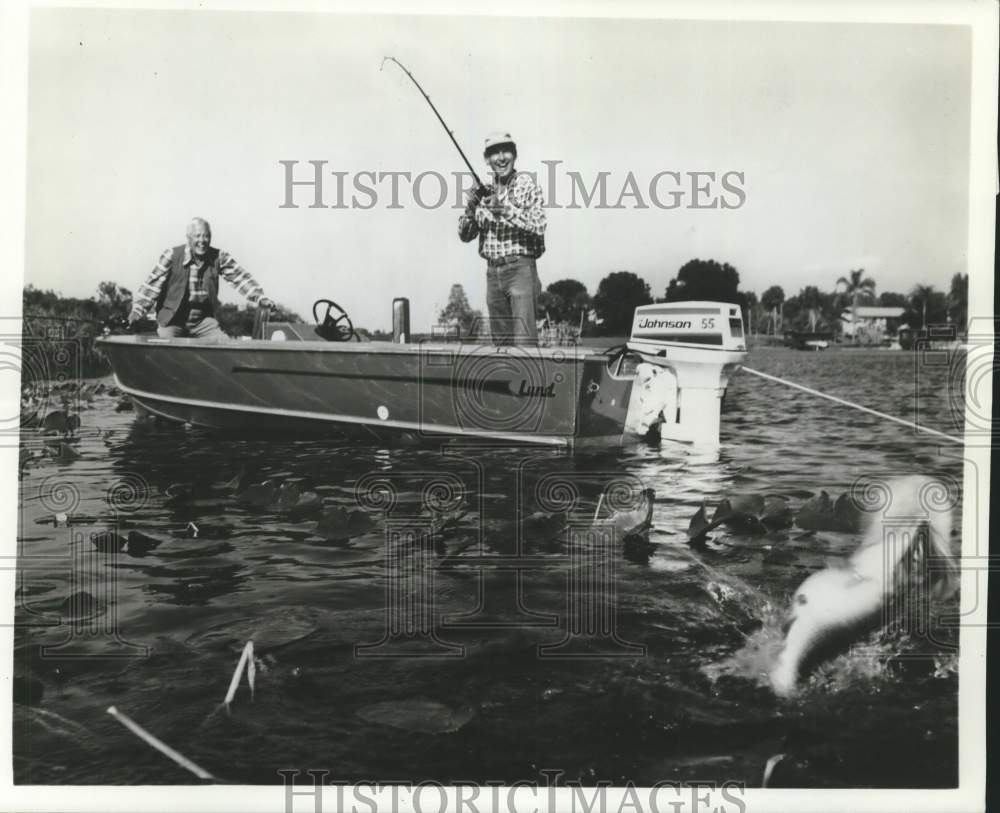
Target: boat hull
x,y
538,395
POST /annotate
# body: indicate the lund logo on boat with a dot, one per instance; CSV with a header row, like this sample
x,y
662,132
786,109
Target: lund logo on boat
x,y
536,390
667,323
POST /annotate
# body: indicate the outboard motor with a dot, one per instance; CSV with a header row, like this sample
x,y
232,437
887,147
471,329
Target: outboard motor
x,y
689,350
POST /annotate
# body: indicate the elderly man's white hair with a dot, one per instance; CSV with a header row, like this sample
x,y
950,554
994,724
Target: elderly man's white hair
x,y
198,221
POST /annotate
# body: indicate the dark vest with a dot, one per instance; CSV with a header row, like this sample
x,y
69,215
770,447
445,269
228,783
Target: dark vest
x,y
174,293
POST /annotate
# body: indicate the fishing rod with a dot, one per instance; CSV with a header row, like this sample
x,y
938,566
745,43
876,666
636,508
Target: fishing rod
x,y
481,186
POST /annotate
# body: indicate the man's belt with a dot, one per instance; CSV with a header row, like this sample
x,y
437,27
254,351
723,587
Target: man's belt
x,y
498,261
199,310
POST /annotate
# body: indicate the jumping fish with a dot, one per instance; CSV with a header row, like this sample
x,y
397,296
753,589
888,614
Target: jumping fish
x,y
832,607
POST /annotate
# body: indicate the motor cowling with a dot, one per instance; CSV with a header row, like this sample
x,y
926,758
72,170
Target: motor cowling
x,y
699,344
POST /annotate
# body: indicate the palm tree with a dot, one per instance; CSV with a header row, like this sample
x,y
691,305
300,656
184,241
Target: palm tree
x,y
857,288
919,297
958,301
772,299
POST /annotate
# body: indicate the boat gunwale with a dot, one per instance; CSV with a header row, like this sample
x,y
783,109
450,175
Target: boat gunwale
x,y
558,354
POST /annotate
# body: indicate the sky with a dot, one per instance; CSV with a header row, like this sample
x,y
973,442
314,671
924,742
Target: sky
x,y
851,140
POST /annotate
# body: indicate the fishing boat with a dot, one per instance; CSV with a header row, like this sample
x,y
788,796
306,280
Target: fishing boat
x,y
668,377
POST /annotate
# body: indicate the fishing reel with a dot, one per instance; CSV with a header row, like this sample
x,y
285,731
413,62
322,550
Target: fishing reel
x,y
335,326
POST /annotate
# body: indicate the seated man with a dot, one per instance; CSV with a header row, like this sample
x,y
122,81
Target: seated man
x,y
184,287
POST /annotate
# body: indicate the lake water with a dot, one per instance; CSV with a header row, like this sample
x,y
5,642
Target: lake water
x,y
452,627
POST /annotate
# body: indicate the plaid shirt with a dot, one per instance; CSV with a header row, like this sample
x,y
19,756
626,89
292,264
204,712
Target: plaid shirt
x,y
520,228
229,270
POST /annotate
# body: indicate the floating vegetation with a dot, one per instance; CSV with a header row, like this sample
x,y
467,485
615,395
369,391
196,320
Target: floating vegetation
x,y
108,541
544,527
80,606
424,716
260,495
159,745
139,544
769,769
751,515
58,725
270,630
337,524
245,663
631,521
62,452
27,690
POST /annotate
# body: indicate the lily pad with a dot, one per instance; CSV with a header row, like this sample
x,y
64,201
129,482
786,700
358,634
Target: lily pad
x,y
543,527
62,453
424,716
633,521
823,514
261,495
56,421
107,541
272,629
81,606
139,544
337,524
28,691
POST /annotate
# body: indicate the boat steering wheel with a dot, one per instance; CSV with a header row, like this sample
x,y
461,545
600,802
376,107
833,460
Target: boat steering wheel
x,y
335,325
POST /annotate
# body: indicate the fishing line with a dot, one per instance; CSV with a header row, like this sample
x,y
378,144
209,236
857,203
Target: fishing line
x,y
851,404
451,135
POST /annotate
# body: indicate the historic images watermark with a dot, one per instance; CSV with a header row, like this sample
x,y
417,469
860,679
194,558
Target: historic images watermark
x,y
314,184
953,391
48,365
523,391
311,790
914,533
548,505
88,618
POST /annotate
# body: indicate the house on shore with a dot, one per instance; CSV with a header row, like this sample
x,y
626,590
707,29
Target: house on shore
x,y
870,324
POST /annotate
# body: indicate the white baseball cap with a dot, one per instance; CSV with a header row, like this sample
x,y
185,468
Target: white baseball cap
x,y
498,139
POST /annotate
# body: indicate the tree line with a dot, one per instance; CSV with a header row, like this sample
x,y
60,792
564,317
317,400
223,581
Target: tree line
x,y
608,312
50,319
59,331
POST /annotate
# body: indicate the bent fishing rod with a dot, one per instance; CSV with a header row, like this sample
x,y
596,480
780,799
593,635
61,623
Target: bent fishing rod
x,y
481,186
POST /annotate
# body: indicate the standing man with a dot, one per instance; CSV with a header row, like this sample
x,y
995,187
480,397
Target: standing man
x,y
184,287
510,223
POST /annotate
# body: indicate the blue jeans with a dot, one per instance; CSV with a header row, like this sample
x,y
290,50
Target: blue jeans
x,y
199,328
512,291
